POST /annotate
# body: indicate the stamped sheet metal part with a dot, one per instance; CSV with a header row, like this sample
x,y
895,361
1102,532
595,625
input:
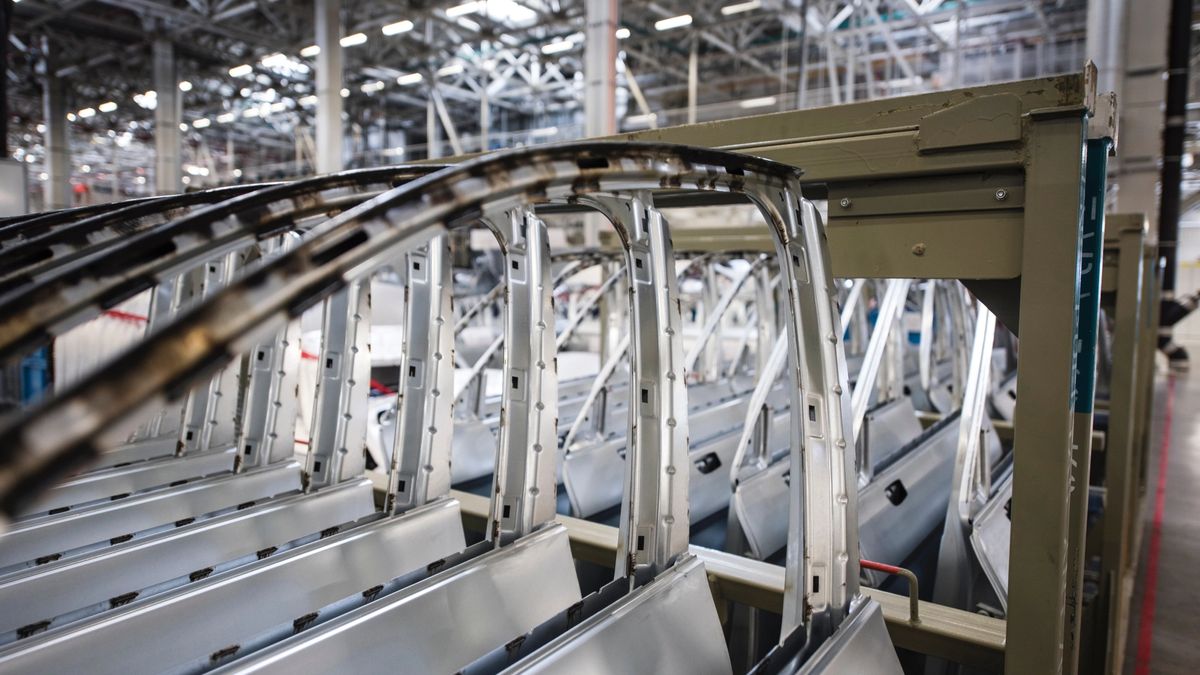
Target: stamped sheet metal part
x,y
420,468
73,588
63,296
33,250
283,588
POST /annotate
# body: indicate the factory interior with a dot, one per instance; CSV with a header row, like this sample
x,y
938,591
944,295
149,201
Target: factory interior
x,y
599,336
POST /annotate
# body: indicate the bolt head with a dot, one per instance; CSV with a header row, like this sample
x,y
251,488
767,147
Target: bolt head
x,y
845,202
1001,194
918,250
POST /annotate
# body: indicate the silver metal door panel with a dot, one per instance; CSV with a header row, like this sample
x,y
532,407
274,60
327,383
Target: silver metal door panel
x,y
51,591
907,501
668,626
182,629
105,484
163,446
860,645
1004,398
34,538
473,450
887,429
760,505
593,474
990,540
443,623
592,477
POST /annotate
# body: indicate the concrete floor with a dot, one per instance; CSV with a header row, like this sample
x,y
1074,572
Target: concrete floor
x,y
1174,613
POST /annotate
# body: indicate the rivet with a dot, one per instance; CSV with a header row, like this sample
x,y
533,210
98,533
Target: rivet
x,y
1001,194
918,250
845,203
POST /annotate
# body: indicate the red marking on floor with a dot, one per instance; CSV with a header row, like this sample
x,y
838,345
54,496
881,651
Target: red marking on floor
x,y
1146,622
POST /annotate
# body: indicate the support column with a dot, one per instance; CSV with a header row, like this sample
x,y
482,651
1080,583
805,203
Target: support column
x,y
693,80
433,144
600,69
58,152
1141,112
330,133
168,164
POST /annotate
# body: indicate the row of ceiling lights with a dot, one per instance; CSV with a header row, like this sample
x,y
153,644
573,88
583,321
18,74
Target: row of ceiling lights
x,y
148,99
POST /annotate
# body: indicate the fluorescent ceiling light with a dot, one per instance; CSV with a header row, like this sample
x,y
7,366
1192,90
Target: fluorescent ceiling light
x,y
307,101
107,106
278,106
183,126
758,102
185,86
70,117
276,60
674,22
201,123
85,168
648,118
87,112
411,78
465,9
250,112
241,71
372,87
557,46
345,92
310,51
398,27
353,40
225,118
622,33
740,7
452,69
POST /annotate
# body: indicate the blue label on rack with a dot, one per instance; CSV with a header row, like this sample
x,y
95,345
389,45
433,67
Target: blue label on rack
x,y
1091,262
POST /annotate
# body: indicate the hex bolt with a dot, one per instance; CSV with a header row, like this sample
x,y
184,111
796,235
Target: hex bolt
x,y
845,203
1001,194
918,249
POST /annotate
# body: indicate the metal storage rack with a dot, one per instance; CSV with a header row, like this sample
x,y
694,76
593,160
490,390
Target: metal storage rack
x,y
986,185
1130,294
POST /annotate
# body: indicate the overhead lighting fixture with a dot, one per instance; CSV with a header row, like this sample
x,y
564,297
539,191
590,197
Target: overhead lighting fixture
x,y
557,46
674,22
452,69
87,112
41,128
226,118
353,40
648,118
201,123
278,106
345,92
250,112
185,86
758,102
70,117
276,60
371,87
107,106
241,71
465,9
398,27
307,101
183,126
86,168
411,78
622,33
738,8
310,51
